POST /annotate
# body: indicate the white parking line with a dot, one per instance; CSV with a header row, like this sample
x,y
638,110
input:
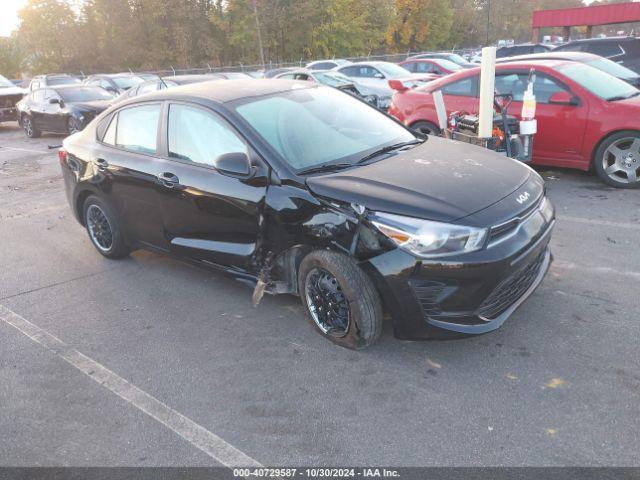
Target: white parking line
x,y
27,150
603,223
595,270
198,436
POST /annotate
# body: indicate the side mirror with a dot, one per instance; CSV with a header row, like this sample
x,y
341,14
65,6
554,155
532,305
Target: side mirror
x,y
397,85
563,98
54,101
378,75
234,164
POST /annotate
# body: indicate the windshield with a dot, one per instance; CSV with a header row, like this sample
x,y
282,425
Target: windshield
x,y
455,58
449,65
613,68
53,81
598,82
391,70
332,79
127,82
84,94
314,126
5,83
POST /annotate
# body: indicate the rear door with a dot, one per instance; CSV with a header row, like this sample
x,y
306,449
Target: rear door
x,y
207,214
128,168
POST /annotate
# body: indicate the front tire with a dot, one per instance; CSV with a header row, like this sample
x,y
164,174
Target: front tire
x,y
104,228
617,160
426,128
342,303
29,128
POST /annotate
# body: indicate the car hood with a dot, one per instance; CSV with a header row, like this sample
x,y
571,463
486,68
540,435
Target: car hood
x,y
440,180
95,105
12,91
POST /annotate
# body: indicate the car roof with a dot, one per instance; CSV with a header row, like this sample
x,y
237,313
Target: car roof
x,y
227,91
551,55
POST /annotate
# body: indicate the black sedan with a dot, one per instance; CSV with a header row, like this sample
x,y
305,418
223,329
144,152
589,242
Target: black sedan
x,y
65,109
303,189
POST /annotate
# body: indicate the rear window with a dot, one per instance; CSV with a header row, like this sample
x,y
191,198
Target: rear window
x,y
605,49
135,128
84,94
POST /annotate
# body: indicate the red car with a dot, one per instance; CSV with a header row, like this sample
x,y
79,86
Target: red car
x,y
586,117
436,66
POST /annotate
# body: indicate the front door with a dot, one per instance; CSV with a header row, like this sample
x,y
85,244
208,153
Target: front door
x,y
208,215
561,127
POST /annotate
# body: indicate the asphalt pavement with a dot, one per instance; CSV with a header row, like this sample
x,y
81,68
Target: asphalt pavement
x,y
149,361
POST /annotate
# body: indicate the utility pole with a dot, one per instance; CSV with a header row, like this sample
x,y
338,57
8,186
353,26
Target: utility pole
x,y
488,20
258,34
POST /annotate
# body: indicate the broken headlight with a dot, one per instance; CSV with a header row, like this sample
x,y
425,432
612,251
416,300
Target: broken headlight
x,y
428,239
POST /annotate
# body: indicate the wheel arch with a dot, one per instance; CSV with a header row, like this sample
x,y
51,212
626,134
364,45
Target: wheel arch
x,y
81,197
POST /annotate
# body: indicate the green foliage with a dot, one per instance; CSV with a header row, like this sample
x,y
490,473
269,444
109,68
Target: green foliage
x,y
116,35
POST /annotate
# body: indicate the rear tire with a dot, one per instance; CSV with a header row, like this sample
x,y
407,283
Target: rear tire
x,y
342,303
617,160
29,128
104,228
427,128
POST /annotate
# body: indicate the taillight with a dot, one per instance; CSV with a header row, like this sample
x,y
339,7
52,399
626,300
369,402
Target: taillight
x,y
62,156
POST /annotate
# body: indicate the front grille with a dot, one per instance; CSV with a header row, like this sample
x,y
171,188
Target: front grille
x,y
511,289
427,293
503,229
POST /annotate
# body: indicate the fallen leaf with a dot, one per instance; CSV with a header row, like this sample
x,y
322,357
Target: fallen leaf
x,y
554,383
511,376
433,364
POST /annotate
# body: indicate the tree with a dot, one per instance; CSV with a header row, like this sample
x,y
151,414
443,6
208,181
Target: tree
x,y
420,25
47,31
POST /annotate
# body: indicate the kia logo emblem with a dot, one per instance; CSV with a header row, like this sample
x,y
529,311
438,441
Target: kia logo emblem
x,y
523,197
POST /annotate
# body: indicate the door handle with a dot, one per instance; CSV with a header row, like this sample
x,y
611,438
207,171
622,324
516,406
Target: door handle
x,y
168,180
102,164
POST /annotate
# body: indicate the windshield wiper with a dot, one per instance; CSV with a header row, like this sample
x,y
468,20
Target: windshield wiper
x,y
326,167
389,148
623,97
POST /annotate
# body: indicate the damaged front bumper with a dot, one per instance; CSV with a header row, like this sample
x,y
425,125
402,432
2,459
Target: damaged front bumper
x,y
466,295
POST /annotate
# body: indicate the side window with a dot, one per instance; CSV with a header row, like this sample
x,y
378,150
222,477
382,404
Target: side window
x,y
137,128
105,84
287,76
324,66
544,87
462,88
35,85
513,83
110,135
38,96
411,66
351,71
198,136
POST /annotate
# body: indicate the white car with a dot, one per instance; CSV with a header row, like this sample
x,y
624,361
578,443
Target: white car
x,y
327,64
372,78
